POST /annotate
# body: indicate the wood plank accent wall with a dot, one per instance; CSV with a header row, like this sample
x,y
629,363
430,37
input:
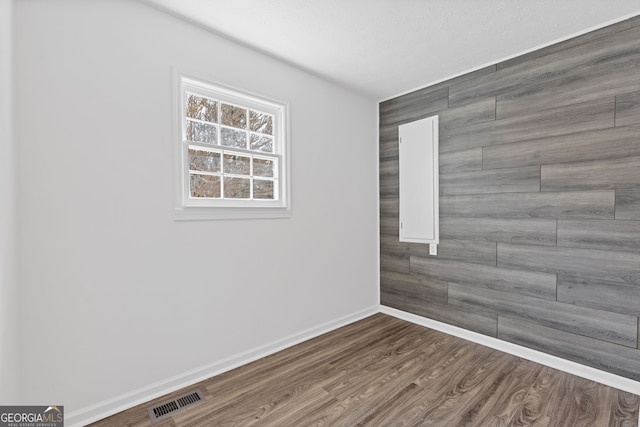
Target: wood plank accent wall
x,y
539,204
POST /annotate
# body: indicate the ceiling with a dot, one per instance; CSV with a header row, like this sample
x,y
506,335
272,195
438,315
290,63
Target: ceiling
x,y
383,48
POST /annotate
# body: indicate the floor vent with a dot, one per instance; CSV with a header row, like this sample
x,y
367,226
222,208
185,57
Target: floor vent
x,y
165,409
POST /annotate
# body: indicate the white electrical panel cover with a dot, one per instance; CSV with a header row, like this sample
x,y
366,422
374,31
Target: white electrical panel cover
x,y
419,185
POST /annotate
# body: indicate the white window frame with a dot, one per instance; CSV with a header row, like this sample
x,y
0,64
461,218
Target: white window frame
x,y
189,208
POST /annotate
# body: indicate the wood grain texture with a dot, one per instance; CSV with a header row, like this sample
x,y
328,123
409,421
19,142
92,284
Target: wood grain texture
x,y
388,148
413,106
460,250
600,144
418,288
628,204
623,173
390,244
383,371
461,78
609,357
550,205
606,326
596,82
389,169
621,267
557,121
389,187
628,109
478,112
483,323
390,208
522,231
605,235
601,294
607,52
540,285
461,161
529,405
389,225
394,263
513,180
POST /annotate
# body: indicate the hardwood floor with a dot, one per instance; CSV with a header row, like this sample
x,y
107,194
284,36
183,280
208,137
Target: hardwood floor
x,y
382,371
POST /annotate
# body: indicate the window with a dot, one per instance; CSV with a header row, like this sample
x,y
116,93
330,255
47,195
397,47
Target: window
x,y
232,154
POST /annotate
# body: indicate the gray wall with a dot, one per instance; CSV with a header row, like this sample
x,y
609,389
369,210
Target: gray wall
x,y
539,203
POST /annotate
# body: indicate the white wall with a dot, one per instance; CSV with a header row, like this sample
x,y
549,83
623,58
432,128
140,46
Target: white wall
x,y
116,295
8,290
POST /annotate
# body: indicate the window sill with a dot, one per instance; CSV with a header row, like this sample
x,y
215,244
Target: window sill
x,y
196,213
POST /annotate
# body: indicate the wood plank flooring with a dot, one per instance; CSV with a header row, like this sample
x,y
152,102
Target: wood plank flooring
x,y
382,371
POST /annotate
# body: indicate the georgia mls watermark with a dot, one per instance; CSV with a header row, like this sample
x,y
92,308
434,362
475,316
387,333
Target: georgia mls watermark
x,y
31,416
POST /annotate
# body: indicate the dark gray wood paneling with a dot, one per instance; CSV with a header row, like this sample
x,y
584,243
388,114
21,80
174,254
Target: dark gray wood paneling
x,y
478,322
389,225
628,204
594,175
605,235
523,231
484,71
595,83
388,134
418,288
388,143
389,187
478,112
465,77
570,44
460,250
394,263
571,111
603,325
389,169
389,207
628,109
602,355
391,245
540,285
513,180
389,151
591,145
461,161
600,294
558,121
551,205
415,105
461,78
607,52
622,267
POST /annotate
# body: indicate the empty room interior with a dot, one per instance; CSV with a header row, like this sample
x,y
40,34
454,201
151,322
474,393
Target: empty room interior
x,y
292,213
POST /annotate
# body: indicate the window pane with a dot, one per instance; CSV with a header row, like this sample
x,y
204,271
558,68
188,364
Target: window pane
x,y
234,116
205,186
236,188
202,108
261,143
262,189
207,161
201,132
261,122
239,165
263,167
234,138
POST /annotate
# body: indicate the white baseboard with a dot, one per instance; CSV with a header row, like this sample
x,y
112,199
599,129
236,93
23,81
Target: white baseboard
x,y
136,397
564,365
